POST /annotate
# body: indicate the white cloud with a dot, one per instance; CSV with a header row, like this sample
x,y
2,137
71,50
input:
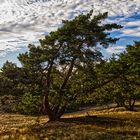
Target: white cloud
x,y
22,22
115,49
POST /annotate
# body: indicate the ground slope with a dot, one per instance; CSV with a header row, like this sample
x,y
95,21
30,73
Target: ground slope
x,y
105,124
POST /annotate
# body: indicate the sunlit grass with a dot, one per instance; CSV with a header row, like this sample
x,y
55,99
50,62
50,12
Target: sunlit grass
x,y
107,124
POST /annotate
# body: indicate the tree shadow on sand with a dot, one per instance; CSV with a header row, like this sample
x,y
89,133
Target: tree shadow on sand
x,y
99,121
106,122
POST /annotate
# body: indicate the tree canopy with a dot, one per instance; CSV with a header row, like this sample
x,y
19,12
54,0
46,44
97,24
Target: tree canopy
x,y
54,65
67,67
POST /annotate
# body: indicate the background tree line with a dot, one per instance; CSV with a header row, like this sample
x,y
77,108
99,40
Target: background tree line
x,y
68,70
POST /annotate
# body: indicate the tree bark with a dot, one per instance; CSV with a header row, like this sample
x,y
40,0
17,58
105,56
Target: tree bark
x,y
68,74
61,112
55,113
131,104
48,110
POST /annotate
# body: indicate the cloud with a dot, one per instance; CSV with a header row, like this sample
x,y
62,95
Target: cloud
x,y
22,22
115,49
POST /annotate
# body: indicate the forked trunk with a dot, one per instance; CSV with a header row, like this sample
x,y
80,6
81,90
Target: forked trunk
x,y
48,109
131,104
55,113
55,116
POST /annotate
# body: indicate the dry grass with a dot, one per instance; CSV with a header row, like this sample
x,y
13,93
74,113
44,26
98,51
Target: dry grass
x,y
107,124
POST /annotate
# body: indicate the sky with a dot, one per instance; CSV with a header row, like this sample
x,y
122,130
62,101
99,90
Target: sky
x,y
26,21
